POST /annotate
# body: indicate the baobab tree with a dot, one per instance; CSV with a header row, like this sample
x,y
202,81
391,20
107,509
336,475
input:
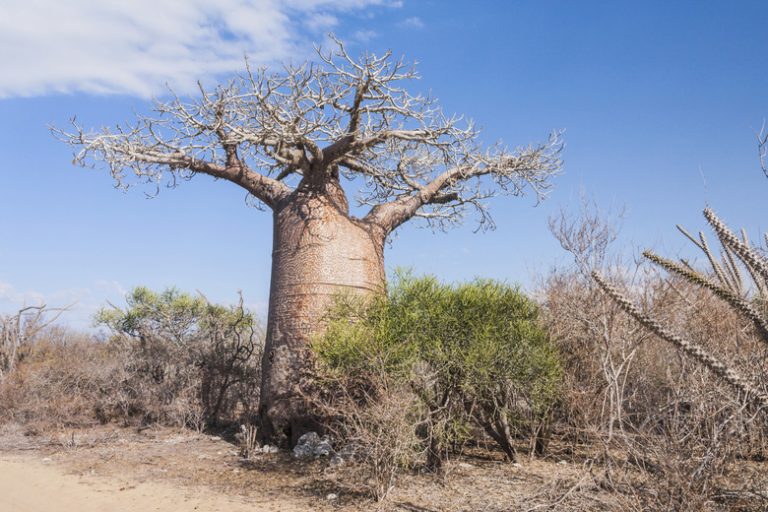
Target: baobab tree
x,y
300,141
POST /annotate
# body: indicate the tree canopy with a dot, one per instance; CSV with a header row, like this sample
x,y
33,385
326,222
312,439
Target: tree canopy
x,y
314,124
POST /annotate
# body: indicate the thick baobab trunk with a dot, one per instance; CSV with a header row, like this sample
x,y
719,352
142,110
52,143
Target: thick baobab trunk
x,y
318,251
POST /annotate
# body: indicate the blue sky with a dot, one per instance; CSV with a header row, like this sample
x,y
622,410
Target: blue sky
x,y
660,102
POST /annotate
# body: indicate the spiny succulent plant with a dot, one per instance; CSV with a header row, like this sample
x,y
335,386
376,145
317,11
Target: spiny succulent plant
x,y
726,281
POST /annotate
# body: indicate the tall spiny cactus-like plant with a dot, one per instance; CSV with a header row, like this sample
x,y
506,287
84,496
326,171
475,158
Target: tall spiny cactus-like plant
x,y
726,282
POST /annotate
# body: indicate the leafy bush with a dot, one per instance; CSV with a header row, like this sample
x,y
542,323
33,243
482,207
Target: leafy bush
x,y
474,354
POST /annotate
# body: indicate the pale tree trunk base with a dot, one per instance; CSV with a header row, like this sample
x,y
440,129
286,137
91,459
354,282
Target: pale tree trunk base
x,y
318,252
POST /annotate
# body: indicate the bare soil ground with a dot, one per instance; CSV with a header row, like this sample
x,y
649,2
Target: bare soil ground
x,y
28,484
122,469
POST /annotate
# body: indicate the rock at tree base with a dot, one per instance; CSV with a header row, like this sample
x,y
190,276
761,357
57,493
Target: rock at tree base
x,y
310,445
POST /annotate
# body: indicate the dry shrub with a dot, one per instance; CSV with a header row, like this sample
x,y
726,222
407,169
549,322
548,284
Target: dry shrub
x,y
248,438
65,379
188,362
173,359
662,426
377,424
19,330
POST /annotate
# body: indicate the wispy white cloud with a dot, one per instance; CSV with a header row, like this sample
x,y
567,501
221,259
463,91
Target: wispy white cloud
x,y
136,47
111,287
363,36
10,296
412,22
5,290
321,22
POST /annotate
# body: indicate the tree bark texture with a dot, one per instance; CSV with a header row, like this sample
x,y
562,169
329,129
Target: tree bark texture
x,y
318,251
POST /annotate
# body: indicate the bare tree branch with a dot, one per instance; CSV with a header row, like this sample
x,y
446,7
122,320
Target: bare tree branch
x,y
303,126
18,330
762,146
446,195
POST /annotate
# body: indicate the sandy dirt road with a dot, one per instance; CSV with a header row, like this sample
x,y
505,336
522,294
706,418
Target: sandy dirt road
x,y
29,484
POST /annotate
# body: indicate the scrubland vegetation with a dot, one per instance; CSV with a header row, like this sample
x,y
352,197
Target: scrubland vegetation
x,y
647,373
664,408
171,358
651,395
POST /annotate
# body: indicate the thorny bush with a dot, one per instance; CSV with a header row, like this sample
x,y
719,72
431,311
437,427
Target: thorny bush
x,y
660,424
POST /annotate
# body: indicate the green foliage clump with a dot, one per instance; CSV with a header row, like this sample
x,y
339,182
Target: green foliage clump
x,y
473,353
170,314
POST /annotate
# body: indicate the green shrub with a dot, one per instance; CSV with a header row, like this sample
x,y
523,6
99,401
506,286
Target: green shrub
x,y
473,353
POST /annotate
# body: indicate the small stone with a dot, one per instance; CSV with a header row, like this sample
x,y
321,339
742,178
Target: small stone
x,y
516,465
323,448
269,449
311,445
563,462
332,497
215,438
46,460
